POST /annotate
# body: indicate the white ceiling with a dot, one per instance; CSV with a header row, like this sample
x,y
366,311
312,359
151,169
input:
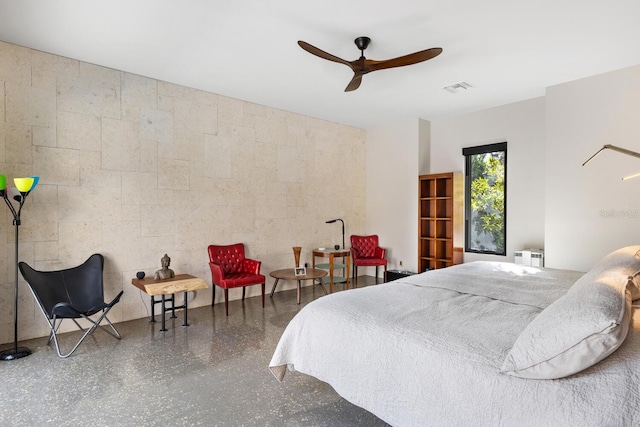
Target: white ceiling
x,y
509,50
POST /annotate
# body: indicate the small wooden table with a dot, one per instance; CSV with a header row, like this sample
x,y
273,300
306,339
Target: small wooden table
x,y
331,254
180,283
290,274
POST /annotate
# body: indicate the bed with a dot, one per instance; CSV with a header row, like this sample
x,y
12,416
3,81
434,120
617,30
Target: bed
x,y
481,343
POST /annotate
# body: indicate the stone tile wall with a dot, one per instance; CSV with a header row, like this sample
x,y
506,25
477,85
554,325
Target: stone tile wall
x,y
133,168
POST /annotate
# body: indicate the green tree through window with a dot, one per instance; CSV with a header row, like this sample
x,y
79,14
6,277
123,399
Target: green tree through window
x,y
485,198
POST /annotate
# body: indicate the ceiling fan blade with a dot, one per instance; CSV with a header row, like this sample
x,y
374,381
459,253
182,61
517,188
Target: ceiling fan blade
x,y
321,53
401,61
354,83
362,66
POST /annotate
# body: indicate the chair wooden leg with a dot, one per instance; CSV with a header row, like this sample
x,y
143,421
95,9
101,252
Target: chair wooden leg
x,y
226,301
213,295
244,288
263,285
376,274
385,273
355,276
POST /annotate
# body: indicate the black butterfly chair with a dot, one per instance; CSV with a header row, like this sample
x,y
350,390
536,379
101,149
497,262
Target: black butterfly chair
x,y
73,293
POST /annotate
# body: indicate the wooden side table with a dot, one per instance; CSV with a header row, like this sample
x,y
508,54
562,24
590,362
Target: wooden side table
x,y
332,254
181,283
290,274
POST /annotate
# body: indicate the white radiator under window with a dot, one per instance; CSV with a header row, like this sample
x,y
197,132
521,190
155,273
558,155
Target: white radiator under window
x,y
531,257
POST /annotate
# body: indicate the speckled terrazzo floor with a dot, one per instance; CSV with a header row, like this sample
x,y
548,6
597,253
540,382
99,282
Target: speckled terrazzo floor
x,y
213,373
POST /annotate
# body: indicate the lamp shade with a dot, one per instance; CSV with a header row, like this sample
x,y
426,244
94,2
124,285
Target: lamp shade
x,y
36,179
12,192
23,184
3,182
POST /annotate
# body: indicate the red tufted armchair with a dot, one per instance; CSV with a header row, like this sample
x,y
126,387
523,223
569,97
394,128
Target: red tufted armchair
x,y
230,269
365,252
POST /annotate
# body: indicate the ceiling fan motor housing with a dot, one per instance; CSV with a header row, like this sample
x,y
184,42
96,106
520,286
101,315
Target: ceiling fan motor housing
x,y
362,42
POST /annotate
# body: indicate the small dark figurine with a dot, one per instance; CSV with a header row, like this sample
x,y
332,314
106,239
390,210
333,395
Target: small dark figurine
x,y
337,247
140,275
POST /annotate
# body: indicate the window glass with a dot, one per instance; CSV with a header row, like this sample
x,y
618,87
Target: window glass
x,y
485,198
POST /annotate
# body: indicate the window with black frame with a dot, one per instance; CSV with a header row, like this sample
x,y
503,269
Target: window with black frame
x,y
486,198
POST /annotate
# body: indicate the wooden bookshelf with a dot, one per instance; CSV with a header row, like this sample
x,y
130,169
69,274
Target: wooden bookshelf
x,y
440,220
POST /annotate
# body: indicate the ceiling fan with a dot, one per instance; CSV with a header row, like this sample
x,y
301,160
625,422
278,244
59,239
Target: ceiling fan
x,y
362,66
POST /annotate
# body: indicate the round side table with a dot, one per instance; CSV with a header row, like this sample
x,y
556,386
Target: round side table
x,y
290,274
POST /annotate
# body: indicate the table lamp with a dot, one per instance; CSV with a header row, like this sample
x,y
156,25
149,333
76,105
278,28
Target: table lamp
x,y
338,219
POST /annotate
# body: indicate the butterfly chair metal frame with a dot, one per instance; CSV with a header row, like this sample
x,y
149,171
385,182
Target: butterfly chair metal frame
x,y
73,293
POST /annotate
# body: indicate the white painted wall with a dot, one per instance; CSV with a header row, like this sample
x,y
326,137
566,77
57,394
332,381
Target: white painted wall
x,y
577,214
522,126
424,148
590,210
393,162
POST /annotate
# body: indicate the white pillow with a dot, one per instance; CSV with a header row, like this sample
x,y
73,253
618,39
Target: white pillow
x,y
581,328
625,261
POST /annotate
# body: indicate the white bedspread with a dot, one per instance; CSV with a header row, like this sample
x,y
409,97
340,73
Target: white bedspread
x,y
426,351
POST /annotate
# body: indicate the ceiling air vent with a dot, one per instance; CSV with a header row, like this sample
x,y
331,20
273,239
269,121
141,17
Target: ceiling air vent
x,y
458,87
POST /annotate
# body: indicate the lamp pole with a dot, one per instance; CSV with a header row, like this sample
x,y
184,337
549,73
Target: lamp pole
x,y
24,186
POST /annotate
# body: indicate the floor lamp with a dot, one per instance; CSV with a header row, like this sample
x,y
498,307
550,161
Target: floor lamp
x,y
23,187
619,150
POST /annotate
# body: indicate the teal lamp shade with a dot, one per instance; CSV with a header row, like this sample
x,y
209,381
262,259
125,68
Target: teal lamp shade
x,y
36,179
3,182
23,184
